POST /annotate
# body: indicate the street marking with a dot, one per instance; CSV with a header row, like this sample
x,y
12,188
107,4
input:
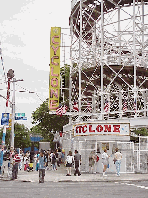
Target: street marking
x,y
143,187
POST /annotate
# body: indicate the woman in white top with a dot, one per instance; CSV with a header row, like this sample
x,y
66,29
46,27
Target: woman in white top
x,y
105,161
69,161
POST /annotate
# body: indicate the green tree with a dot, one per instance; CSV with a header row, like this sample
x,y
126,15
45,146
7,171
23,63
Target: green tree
x,y
141,132
22,136
45,122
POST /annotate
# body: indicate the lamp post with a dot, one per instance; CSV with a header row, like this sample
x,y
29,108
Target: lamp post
x,y
13,111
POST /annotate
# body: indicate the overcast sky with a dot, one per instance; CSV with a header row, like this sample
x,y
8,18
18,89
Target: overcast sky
x,y
25,43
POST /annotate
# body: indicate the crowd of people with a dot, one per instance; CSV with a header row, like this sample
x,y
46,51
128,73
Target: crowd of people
x,y
45,160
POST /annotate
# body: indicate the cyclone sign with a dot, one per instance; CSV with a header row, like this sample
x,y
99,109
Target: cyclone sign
x,y
54,82
102,129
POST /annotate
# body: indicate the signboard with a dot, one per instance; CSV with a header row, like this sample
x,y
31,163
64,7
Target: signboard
x,y
5,119
102,129
20,116
54,82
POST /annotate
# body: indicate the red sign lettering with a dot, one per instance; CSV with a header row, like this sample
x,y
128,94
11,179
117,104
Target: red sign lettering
x,y
84,131
90,129
107,128
99,128
116,128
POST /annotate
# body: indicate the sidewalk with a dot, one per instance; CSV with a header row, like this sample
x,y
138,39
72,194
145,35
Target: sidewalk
x,y
60,176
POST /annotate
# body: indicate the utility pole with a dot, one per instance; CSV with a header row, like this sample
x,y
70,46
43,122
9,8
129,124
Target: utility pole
x,y
13,111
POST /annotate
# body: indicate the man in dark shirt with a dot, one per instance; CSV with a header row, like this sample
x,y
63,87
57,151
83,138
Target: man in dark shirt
x,y
77,159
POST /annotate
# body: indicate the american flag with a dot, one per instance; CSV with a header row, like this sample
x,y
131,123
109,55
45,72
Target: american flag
x,y
106,108
135,105
61,110
75,106
65,109
124,106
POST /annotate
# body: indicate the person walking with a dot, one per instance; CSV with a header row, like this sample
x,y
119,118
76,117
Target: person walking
x,y
105,161
91,162
117,159
77,160
59,157
41,167
69,162
16,161
53,161
21,158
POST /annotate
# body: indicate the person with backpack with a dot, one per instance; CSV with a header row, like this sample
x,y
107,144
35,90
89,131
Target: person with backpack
x,y
69,162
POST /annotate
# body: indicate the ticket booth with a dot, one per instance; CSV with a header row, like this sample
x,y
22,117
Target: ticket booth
x,y
95,137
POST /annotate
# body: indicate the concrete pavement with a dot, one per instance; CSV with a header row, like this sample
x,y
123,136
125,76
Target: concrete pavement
x,y
60,176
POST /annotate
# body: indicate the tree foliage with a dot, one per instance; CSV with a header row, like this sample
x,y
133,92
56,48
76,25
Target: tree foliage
x,y
22,136
45,122
141,131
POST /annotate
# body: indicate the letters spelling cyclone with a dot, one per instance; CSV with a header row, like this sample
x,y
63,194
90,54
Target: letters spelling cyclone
x,y
88,129
54,85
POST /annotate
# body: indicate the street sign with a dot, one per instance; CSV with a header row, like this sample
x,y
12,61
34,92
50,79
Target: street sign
x,y
20,116
5,119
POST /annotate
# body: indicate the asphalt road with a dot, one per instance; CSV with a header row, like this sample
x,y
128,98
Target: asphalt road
x,y
18,189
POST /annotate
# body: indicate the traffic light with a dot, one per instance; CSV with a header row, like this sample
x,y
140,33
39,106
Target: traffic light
x,y
10,121
10,74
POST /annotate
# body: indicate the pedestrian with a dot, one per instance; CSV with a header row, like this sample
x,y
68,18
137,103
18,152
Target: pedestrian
x,y
77,161
105,161
59,157
21,158
37,161
1,159
91,162
53,161
41,167
16,161
69,162
96,166
56,154
117,160
25,162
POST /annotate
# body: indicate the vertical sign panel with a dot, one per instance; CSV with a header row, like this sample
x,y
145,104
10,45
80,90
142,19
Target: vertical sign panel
x,y
54,82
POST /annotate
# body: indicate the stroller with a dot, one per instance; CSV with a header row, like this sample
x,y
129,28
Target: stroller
x,y
29,167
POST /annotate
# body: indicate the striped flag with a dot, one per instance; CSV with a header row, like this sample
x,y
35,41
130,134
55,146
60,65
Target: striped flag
x,y
75,106
106,108
124,106
65,109
61,110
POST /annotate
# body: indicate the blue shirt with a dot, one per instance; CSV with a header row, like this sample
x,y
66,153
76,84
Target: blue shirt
x,y
41,163
1,158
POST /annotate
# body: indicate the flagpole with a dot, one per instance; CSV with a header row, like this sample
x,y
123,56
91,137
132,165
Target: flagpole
x,y
134,53
80,44
102,53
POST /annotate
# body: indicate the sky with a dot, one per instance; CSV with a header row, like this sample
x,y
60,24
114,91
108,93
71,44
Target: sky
x,y
25,43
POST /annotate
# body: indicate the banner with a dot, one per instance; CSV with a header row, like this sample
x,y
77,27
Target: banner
x,y
54,80
5,119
